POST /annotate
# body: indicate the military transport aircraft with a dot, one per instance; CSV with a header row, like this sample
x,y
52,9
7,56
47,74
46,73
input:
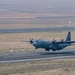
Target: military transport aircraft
x,y
52,45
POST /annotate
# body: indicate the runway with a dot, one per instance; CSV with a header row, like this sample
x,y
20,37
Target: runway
x,y
23,30
12,57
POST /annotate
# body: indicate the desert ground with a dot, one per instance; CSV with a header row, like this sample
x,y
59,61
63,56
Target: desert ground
x,y
28,19
45,67
13,41
35,20
15,20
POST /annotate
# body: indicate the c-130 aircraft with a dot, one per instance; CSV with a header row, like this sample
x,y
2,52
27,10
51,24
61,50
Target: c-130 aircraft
x,y
52,45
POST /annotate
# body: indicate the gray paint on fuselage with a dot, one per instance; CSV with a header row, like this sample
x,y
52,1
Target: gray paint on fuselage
x,y
46,45
52,45
42,44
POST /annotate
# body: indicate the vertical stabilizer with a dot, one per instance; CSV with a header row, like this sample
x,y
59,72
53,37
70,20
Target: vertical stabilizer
x,y
68,38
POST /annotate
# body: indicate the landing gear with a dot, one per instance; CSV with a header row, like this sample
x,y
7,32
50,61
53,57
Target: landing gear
x,y
35,47
53,50
47,49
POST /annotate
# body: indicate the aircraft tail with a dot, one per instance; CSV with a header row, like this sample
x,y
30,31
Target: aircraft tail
x,y
68,38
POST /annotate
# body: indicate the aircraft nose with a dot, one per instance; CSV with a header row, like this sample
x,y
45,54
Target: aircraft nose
x,y
34,44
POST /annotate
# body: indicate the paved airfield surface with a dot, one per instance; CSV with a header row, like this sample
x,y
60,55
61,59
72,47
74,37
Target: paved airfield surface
x,y
36,55
3,31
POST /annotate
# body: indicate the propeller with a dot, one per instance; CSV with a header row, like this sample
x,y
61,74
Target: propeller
x,y
54,41
62,40
31,41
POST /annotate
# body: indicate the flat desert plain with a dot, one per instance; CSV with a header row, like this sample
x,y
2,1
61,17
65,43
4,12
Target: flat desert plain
x,y
12,42
15,20
45,67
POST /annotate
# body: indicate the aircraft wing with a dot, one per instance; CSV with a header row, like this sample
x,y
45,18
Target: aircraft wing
x,y
62,42
70,42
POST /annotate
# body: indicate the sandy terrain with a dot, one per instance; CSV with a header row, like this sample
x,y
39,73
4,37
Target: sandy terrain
x,y
13,42
45,67
13,20
35,20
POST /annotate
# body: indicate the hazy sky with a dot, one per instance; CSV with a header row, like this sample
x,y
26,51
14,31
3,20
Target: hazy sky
x,y
37,2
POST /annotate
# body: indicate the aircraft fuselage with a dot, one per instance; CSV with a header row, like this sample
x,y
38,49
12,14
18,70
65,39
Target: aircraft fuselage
x,y
47,45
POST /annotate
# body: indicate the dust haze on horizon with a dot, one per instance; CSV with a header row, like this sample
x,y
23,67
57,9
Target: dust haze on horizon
x,y
62,3
38,6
